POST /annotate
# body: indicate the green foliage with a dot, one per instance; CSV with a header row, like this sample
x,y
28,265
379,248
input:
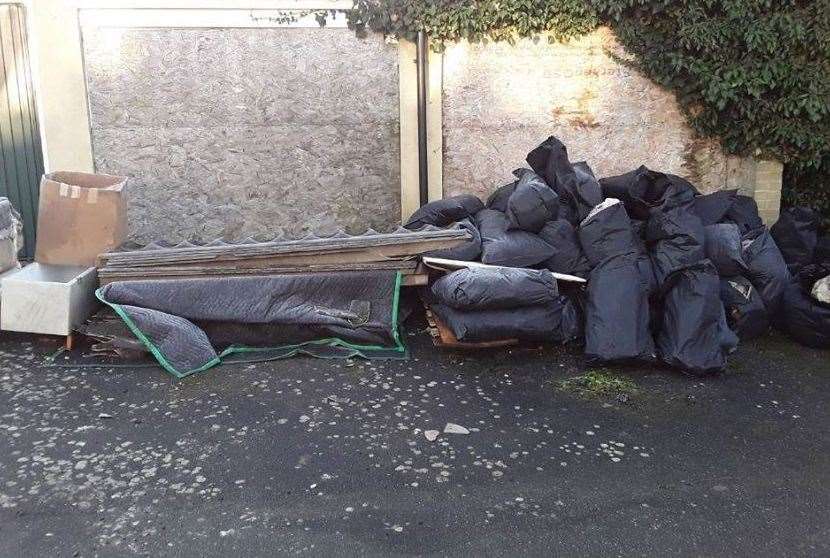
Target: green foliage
x,y
598,383
754,73
808,185
475,20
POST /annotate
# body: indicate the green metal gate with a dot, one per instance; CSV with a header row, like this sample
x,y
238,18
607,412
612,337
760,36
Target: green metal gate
x,y
21,157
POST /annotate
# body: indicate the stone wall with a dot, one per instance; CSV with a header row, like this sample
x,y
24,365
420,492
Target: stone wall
x,y
238,132
501,100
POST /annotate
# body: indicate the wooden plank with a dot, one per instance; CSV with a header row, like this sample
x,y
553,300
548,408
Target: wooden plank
x,y
435,125
110,275
415,280
408,107
408,280
407,266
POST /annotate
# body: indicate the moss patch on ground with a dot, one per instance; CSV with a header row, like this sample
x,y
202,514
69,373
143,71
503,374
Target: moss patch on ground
x,y
602,382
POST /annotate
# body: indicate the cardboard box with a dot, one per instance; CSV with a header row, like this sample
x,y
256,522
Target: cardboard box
x,y
80,215
47,299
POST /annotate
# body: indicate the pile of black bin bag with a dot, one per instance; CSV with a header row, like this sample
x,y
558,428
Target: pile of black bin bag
x,y
672,274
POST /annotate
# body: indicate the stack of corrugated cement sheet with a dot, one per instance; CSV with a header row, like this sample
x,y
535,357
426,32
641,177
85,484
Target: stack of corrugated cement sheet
x,y
372,250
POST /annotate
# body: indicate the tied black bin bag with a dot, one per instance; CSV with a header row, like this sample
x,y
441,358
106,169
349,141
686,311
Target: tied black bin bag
x,y
712,208
445,212
723,248
467,252
766,268
512,248
607,232
532,204
498,199
617,313
588,191
550,161
744,213
568,256
806,319
495,288
643,190
587,179
556,321
796,235
677,239
577,190
644,263
822,251
694,335
745,311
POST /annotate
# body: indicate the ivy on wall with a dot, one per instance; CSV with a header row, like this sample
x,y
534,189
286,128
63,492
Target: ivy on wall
x,y
754,73
474,20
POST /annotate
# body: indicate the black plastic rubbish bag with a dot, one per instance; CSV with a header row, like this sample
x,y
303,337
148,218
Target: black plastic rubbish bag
x,y
644,263
766,268
744,213
822,251
796,235
712,208
723,248
607,232
512,248
648,277
556,321
467,252
498,199
639,230
568,256
806,319
617,313
444,212
677,239
480,288
550,161
585,175
577,188
572,321
745,310
588,192
532,204
643,190
694,335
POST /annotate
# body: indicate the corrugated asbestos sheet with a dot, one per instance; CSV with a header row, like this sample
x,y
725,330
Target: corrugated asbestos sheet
x,y
21,158
339,252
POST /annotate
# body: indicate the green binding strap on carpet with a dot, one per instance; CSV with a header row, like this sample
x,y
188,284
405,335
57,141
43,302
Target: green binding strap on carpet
x,y
327,347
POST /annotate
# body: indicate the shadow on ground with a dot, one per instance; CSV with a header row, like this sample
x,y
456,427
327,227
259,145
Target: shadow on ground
x,y
319,457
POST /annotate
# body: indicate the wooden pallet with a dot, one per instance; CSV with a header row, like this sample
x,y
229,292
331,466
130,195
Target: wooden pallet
x,y
442,336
